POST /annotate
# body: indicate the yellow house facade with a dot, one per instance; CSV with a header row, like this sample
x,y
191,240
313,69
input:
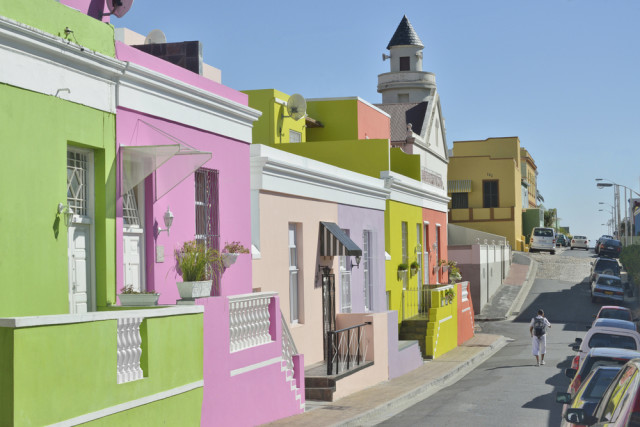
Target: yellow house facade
x,y
484,183
529,173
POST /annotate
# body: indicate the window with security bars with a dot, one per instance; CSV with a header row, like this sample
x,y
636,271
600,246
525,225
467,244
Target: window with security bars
x,y
77,165
293,273
490,194
207,210
345,283
367,263
459,200
130,214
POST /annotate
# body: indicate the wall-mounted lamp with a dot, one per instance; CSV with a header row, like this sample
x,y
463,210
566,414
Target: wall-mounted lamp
x,y
67,212
357,264
168,220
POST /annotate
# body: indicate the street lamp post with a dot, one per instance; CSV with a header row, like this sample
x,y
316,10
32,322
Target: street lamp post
x,y
617,186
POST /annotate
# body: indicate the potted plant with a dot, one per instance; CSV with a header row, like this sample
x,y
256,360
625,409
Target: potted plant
x,y
230,253
131,297
414,268
449,294
402,270
444,264
454,272
199,266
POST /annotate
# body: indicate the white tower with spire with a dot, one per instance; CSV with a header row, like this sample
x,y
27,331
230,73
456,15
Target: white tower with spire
x,y
406,82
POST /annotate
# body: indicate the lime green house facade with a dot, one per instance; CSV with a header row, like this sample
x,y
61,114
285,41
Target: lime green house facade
x,y
62,354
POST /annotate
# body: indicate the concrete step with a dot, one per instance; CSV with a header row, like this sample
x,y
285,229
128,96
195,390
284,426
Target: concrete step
x,y
323,394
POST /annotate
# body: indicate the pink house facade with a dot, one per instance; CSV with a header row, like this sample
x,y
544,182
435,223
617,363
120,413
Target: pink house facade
x,y
183,146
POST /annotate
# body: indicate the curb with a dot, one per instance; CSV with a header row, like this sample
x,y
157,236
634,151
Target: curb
x,y
387,410
526,287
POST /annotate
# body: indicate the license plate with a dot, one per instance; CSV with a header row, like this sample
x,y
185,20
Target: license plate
x,y
608,292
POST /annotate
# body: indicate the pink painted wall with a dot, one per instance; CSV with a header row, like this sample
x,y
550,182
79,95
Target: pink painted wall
x,y
436,217
131,54
271,272
93,8
465,313
372,123
231,158
258,396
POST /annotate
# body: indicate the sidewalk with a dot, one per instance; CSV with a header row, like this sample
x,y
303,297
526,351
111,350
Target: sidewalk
x,y
382,401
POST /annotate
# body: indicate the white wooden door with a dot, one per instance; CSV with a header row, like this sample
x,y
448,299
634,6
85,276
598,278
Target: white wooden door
x,y
79,267
132,258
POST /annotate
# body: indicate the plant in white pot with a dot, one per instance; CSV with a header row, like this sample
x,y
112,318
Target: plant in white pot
x,y
231,251
132,297
199,266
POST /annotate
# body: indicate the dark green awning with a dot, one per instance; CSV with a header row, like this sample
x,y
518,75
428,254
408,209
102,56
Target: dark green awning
x,y
335,242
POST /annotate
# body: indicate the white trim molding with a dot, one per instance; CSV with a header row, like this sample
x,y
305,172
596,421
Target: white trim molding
x,y
406,190
255,366
130,405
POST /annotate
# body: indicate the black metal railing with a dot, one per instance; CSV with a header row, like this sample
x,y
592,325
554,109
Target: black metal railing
x,y
346,348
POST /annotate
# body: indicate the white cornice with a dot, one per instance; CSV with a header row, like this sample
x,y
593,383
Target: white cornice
x,y
47,64
154,93
412,192
278,171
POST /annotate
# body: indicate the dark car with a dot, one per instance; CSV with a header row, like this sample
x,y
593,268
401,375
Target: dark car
x,y
601,239
620,403
591,390
607,287
604,266
561,240
610,248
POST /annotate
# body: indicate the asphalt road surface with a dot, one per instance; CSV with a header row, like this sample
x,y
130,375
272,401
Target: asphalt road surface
x,y
509,389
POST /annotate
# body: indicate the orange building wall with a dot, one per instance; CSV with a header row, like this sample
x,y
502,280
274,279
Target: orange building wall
x,y
372,123
465,313
433,218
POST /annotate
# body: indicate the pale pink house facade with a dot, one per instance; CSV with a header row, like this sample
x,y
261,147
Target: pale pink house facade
x,y
183,146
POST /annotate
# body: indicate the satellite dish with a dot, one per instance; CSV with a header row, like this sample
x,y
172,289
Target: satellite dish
x,y
119,7
155,37
296,106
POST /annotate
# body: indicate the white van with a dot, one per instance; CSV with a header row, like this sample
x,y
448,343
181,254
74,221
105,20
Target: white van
x,y
542,239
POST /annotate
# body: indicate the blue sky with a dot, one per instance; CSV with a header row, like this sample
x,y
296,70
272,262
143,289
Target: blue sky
x,y
562,75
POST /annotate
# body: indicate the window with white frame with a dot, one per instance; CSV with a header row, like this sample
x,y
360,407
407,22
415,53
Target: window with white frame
x,y
367,264
77,165
293,273
405,251
345,284
437,251
130,214
295,136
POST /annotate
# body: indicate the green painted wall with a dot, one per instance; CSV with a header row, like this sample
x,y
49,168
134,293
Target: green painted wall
x,y
339,117
395,213
406,164
6,377
78,361
273,127
34,242
181,410
53,17
530,218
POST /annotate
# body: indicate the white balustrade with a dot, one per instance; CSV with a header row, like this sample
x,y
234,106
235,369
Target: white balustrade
x,y
249,320
129,350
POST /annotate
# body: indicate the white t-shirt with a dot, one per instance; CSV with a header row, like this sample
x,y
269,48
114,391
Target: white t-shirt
x,y
546,322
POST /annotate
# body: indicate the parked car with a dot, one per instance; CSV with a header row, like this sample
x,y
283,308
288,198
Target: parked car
x,y
543,239
580,242
591,390
599,356
610,248
614,323
604,266
601,239
614,312
620,403
561,240
607,287
606,337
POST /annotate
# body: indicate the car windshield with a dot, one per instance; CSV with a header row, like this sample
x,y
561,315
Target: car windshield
x,y
613,313
613,282
599,382
613,341
612,242
543,232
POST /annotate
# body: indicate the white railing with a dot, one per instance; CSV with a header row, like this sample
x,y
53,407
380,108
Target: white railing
x,y
129,350
249,320
288,345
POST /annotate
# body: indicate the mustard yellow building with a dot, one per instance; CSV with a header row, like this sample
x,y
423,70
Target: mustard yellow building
x,y
529,174
485,187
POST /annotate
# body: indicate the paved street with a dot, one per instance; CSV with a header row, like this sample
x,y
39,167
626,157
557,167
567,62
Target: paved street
x,y
508,389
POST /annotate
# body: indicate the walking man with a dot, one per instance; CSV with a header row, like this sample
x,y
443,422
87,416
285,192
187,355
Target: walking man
x,y
538,329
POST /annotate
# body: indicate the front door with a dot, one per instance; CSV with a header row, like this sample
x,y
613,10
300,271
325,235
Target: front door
x,y
80,233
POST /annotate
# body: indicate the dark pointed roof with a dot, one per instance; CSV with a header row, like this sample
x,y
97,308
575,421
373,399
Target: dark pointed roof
x,y
405,35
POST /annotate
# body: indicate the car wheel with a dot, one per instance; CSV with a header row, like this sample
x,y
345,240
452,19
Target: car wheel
x,y
571,247
553,252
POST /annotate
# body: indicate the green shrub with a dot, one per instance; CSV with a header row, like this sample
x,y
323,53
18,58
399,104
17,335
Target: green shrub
x,y
630,259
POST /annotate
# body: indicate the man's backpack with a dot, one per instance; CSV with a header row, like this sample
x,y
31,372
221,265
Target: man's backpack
x,y
539,327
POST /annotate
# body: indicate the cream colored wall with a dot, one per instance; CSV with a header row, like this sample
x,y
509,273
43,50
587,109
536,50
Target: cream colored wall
x,y
271,271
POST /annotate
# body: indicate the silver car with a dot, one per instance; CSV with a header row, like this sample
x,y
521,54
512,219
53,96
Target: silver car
x,y
580,242
543,239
